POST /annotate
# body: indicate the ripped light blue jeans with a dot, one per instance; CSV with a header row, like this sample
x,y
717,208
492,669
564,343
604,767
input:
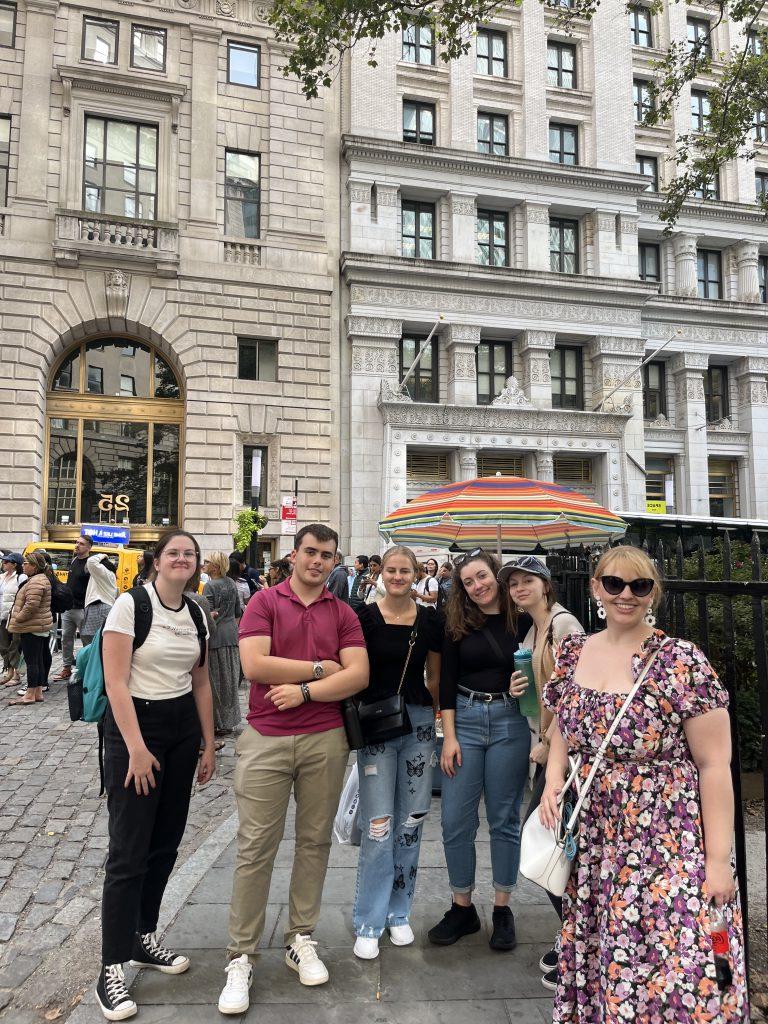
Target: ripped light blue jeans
x,y
395,785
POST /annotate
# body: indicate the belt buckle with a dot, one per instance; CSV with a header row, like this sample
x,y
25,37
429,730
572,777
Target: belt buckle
x,y
488,698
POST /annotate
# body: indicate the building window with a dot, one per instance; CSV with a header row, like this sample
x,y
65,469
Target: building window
x,y
255,463
422,385
127,384
710,274
494,365
573,471
709,190
565,366
148,48
760,126
716,393
419,122
648,262
699,37
659,485
640,26
563,144
561,64
491,53
419,230
7,24
654,390
243,64
762,276
120,172
5,158
761,184
642,98
492,246
419,44
100,40
492,134
95,379
723,488
256,359
424,468
700,110
649,166
491,463
242,195
756,42
563,245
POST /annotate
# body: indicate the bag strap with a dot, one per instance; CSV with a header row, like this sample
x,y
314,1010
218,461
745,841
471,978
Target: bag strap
x,y
551,628
609,736
142,615
494,643
199,620
411,645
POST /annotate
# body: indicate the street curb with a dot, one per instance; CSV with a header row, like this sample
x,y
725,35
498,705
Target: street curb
x,y
181,886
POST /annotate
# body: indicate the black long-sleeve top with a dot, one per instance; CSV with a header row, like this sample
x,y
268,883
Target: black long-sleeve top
x,y
473,663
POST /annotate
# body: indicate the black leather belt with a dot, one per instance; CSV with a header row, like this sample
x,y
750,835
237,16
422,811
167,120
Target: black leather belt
x,y
479,695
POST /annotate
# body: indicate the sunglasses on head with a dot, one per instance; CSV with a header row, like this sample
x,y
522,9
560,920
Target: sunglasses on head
x,y
461,559
614,585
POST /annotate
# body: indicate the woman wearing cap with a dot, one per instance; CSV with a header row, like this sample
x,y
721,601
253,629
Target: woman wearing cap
x,y
486,744
654,843
530,588
10,581
100,595
31,618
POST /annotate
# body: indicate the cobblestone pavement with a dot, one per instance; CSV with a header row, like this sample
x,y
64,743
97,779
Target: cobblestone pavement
x,y
53,842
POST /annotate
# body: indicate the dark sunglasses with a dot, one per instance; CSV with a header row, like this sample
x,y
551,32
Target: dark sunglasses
x,y
614,585
459,560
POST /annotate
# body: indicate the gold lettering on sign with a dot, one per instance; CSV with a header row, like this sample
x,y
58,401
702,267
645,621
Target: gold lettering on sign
x,y
114,502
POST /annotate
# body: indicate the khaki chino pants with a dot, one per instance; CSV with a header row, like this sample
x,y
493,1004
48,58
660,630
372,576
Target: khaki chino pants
x,y
268,768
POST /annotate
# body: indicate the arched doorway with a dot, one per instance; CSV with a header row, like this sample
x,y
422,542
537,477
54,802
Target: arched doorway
x,y
114,434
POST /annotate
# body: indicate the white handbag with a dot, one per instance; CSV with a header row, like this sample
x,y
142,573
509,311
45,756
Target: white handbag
x,y
547,854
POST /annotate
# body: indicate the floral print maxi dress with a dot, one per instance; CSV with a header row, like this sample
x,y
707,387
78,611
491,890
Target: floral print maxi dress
x,y
635,939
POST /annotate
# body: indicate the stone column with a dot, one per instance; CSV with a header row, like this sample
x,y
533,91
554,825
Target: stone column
x,y
690,414
751,374
467,463
613,142
205,74
545,466
463,214
387,207
535,348
686,276
461,341
531,137
463,119
745,255
535,233
373,359
35,117
616,361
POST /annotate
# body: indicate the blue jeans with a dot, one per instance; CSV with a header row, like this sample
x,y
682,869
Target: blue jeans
x,y
495,743
395,785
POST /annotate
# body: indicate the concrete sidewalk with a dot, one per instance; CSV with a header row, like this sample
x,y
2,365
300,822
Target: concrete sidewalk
x,y
421,984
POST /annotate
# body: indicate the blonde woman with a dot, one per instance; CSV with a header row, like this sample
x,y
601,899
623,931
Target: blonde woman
x,y
31,618
224,660
654,840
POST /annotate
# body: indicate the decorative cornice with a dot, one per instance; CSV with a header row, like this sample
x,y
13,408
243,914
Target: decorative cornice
x,y
705,209
752,364
727,436
107,82
462,334
689,362
512,397
499,418
374,327
607,345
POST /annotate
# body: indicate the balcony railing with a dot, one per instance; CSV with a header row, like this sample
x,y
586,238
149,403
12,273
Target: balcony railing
x,y
80,233
245,253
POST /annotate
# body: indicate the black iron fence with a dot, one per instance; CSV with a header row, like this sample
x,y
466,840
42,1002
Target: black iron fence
x,y
715,593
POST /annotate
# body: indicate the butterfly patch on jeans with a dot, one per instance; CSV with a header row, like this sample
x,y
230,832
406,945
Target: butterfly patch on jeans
x,y
409,838
424,733
416,768
399,882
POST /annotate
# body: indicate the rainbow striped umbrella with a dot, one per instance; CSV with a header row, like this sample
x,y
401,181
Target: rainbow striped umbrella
x,y
503,512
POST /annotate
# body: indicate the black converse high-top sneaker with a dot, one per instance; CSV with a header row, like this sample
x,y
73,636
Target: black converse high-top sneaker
x,y
147,952
114,998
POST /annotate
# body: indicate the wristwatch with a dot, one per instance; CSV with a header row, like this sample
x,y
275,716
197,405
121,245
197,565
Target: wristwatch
x,y
318,672
305,693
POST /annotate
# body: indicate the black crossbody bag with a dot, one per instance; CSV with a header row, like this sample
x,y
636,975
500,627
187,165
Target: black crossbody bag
x,y
388,719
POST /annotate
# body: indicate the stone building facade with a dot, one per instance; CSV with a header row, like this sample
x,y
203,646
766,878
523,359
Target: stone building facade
x,y
168,244
511,200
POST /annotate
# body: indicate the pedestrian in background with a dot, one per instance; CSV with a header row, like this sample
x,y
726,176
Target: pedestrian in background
x,y
235,572
374,586
72,618
146,569
427,586
338,581
10,580
224,657
100,595
358,581
278,571
31,619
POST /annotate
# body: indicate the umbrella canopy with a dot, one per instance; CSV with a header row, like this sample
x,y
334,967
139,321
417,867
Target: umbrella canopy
x,y
502,512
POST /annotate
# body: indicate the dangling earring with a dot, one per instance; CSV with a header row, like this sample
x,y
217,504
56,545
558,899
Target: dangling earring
x,y
519,610
600,608
650,618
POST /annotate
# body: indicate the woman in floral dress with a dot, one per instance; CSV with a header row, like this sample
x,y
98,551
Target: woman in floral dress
x,y
654,843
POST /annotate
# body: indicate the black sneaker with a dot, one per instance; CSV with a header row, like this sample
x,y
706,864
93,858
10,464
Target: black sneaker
x,y
549,980
458,922
503,937
549,961
113,996
147,952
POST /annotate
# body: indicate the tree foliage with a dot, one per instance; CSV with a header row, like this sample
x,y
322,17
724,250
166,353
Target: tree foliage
x,y
321,32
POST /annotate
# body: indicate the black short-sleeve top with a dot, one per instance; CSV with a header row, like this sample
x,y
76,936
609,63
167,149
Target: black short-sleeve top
x,y
388,648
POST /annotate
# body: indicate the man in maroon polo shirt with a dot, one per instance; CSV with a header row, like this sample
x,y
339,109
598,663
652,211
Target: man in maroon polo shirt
x,y
303,650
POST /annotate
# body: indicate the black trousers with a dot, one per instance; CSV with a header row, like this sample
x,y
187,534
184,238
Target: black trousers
x,y
37,657
145,831
539,782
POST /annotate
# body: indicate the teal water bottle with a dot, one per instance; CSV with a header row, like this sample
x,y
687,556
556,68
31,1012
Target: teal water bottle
x,y
529,701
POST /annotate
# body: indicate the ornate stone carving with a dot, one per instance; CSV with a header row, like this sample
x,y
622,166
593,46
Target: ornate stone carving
x,y
462,366
752,391
117,288
378,362
545,466
628,224
683,361
605,344
463,206
606,222
660,421
390,394
462,334
689,387
360,193
374,327
226,8
512,395
536,214
532,340
536,370
387,195
684,251
613,375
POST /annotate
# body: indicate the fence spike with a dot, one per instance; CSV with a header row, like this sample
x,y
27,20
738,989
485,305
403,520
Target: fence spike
x,y
755,551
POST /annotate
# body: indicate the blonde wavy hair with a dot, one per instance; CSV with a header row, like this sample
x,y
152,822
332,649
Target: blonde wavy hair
x,y
220,561
614,561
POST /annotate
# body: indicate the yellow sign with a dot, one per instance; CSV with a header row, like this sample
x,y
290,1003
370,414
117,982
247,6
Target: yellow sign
x,y
656,508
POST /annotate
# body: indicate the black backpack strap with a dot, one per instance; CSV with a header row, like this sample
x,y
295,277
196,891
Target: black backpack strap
x,y
142,615
199,620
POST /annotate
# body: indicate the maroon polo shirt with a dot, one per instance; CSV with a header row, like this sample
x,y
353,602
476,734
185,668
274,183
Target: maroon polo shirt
x,y
317,632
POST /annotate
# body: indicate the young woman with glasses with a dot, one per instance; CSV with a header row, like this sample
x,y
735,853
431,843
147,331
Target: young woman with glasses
x,y
159,707
486,744
655,834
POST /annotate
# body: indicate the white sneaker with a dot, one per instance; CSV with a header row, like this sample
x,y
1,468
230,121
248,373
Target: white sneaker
x,y
366,949
401,934
301,957
234,996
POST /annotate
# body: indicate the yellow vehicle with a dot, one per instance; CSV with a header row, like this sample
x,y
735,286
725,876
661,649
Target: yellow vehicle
x,y
128,560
